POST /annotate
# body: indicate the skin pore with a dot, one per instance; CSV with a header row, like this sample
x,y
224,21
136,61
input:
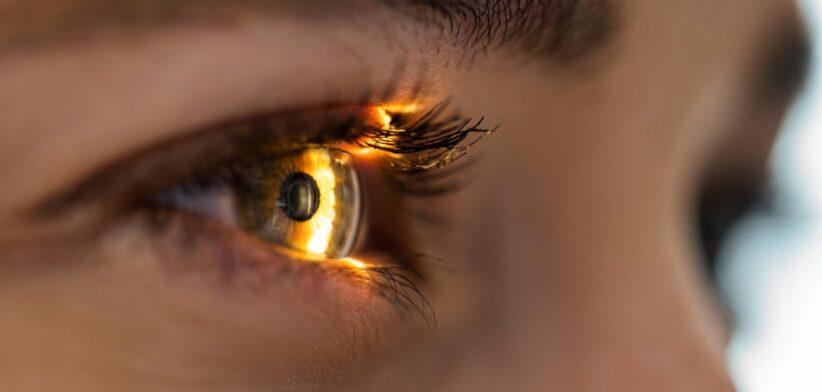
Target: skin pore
x,y
573,258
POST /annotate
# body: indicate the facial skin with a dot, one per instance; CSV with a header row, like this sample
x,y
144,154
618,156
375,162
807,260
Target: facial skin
x,y
573,260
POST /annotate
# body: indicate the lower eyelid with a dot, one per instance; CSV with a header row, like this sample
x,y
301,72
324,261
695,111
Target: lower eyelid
x,y
185,244
184,272
238,263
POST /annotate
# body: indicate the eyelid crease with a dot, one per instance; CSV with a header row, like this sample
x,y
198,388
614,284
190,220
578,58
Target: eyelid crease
x,y
132,177
124,189
418,144
418,162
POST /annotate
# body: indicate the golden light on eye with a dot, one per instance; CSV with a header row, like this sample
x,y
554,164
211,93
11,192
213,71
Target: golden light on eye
x,y
384,118
310,204
386,113
363,151
315,235
354,263
309,200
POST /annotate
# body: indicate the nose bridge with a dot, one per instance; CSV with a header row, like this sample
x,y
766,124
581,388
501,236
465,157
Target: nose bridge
x,y
592,271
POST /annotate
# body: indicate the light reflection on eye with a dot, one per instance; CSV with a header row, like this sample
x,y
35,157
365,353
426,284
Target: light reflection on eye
x,y
358,264
307,201
387,112
384,118
319,207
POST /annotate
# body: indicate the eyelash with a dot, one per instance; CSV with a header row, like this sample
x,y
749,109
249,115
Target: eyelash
x,y
419,155
423,148
421,151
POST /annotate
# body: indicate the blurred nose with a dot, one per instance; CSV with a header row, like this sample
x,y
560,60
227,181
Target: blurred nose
x,y
589,274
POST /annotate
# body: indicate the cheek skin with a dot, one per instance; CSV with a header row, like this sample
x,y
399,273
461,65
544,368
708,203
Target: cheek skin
x,y
591,282
143,312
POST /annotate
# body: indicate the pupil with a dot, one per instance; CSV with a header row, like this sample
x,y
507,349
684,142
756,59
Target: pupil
x,y
299,196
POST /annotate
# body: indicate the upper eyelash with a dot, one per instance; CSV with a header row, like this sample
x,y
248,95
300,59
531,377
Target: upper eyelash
x,y
422,146
418,146
421,160
433,132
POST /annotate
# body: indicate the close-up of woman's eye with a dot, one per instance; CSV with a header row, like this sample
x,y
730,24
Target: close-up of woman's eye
x,y
309,195
307,201
317,187
409,195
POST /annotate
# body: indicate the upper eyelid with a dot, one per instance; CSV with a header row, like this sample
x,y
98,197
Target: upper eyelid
x,y
432,139
86,107
157,167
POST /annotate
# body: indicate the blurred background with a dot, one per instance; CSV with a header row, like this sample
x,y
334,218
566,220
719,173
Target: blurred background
x,y
772,268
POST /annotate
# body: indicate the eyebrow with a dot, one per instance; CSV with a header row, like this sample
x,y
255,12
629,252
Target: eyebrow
x,y
560,30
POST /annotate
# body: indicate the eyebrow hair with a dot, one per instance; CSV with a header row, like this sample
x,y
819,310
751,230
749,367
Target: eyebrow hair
x,y
557,29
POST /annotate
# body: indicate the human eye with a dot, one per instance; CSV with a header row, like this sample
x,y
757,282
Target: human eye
x,y
306,201
309,193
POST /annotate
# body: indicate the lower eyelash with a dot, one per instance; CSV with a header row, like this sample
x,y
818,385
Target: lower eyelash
x,y
187,243
399,289
424,155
